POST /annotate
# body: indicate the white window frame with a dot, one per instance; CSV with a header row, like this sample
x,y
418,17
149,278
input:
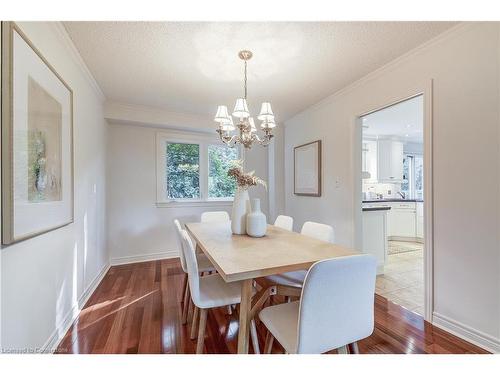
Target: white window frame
x,y
203,140
412,182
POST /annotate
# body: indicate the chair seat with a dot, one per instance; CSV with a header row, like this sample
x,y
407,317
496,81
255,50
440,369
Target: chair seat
x,y
215,292
282,321
204,264
293,279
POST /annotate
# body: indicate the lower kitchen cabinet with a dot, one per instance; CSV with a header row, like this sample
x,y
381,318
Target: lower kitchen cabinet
x,y
375,236
420,220
403,222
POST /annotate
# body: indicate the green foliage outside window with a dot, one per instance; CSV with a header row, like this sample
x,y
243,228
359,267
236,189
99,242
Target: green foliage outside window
x,y
220,158
183,171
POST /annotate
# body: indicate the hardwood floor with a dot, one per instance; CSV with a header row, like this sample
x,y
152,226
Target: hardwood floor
x,y
137,309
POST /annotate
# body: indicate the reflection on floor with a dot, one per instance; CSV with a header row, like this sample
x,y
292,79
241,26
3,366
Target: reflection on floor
x,y
403,279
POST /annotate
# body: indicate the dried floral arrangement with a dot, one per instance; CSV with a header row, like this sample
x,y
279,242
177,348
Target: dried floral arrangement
x,y
244,180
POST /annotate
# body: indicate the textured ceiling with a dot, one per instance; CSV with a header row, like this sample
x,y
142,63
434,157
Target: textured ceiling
x,y
193,66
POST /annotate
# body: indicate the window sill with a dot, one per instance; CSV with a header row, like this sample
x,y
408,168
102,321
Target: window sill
x,y
207,203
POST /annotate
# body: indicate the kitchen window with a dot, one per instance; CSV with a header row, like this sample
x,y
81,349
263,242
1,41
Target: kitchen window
x,y
192,170
413,175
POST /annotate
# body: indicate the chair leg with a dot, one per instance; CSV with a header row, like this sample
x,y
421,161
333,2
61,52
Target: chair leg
x,y
194,323
353,348
185,307
255,338
201,331
343,350
190,309
269,343
184,284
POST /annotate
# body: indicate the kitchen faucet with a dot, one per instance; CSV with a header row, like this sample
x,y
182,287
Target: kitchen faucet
x,y
403,195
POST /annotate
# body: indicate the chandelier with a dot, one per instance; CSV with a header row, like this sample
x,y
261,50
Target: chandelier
x,y
247,132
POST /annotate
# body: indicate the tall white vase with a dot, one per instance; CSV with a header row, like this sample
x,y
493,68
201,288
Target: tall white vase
x,y
239,212
256,220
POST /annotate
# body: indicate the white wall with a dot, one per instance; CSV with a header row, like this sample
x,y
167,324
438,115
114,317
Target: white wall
x,y
464,66
45,279
138,230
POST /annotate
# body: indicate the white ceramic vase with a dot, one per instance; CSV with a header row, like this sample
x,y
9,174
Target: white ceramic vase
x,y
256,220
239,211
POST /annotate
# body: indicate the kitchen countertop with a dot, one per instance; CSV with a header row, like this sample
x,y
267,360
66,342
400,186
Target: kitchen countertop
x,y
391,200
376,208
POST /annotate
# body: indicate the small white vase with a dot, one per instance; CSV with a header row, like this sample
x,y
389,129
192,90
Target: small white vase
x,y
239,211
256,220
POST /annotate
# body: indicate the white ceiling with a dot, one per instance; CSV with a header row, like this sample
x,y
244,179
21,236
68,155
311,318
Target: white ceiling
x,y
404,120
192,67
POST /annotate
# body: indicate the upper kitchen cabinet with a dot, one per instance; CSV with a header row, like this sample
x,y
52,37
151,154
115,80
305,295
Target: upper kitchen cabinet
x,y
389,161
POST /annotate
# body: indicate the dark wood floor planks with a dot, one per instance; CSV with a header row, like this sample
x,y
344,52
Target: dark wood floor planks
x,y
137,309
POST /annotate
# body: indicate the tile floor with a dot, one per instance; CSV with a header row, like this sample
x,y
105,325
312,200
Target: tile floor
x,y
403,280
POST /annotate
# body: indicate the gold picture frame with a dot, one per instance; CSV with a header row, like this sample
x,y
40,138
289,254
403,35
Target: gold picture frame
x,y
37,145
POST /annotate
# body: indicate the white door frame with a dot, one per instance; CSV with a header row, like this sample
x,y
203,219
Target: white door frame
x,y
426,90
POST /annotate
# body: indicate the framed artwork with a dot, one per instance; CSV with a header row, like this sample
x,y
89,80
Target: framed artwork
x,y
307,169
37,141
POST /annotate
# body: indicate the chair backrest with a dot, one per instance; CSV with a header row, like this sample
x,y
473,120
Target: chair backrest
x,y
192,268
178,232
319,231
214,216
337,303
285,222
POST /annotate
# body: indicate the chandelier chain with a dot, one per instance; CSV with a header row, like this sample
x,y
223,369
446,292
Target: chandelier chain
x,y
245,79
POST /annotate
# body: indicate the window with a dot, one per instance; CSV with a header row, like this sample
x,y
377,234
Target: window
x,y
413,170
220,185
183,170
419,176
192,169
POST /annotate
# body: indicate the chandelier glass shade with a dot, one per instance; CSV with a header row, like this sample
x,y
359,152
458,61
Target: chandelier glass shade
x,y
246,131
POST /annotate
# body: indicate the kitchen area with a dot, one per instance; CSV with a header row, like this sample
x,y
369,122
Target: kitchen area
x,y
392,200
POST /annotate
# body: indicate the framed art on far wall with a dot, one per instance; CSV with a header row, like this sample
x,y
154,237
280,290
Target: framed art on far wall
x,y
37,141
307,169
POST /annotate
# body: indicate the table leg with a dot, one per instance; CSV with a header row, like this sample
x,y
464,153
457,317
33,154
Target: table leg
x,y
245,307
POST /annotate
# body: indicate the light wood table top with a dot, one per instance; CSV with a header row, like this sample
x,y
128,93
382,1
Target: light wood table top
x,y
241,257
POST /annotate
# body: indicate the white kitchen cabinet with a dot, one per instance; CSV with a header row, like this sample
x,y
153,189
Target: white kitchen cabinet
x,y
402,221
420,220
389,161
375,236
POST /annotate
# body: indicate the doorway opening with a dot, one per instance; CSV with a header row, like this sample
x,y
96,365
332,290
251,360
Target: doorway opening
x,y
393,196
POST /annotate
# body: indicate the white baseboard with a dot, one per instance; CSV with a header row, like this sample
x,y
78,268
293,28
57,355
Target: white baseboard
x,y
144,258
55,339
481,339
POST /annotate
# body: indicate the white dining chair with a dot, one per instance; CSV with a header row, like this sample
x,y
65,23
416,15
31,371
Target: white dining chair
x,y
290,283
207,292
284,222
214,216
319,231
336,308
204,265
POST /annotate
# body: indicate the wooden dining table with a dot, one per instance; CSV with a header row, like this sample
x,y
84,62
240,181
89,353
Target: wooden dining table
x,y
243,258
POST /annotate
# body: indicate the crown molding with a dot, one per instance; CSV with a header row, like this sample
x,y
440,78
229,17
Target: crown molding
x,y
132,114
448,34
64,37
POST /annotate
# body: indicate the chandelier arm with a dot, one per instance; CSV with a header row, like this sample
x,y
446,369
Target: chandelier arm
x,y
264,141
